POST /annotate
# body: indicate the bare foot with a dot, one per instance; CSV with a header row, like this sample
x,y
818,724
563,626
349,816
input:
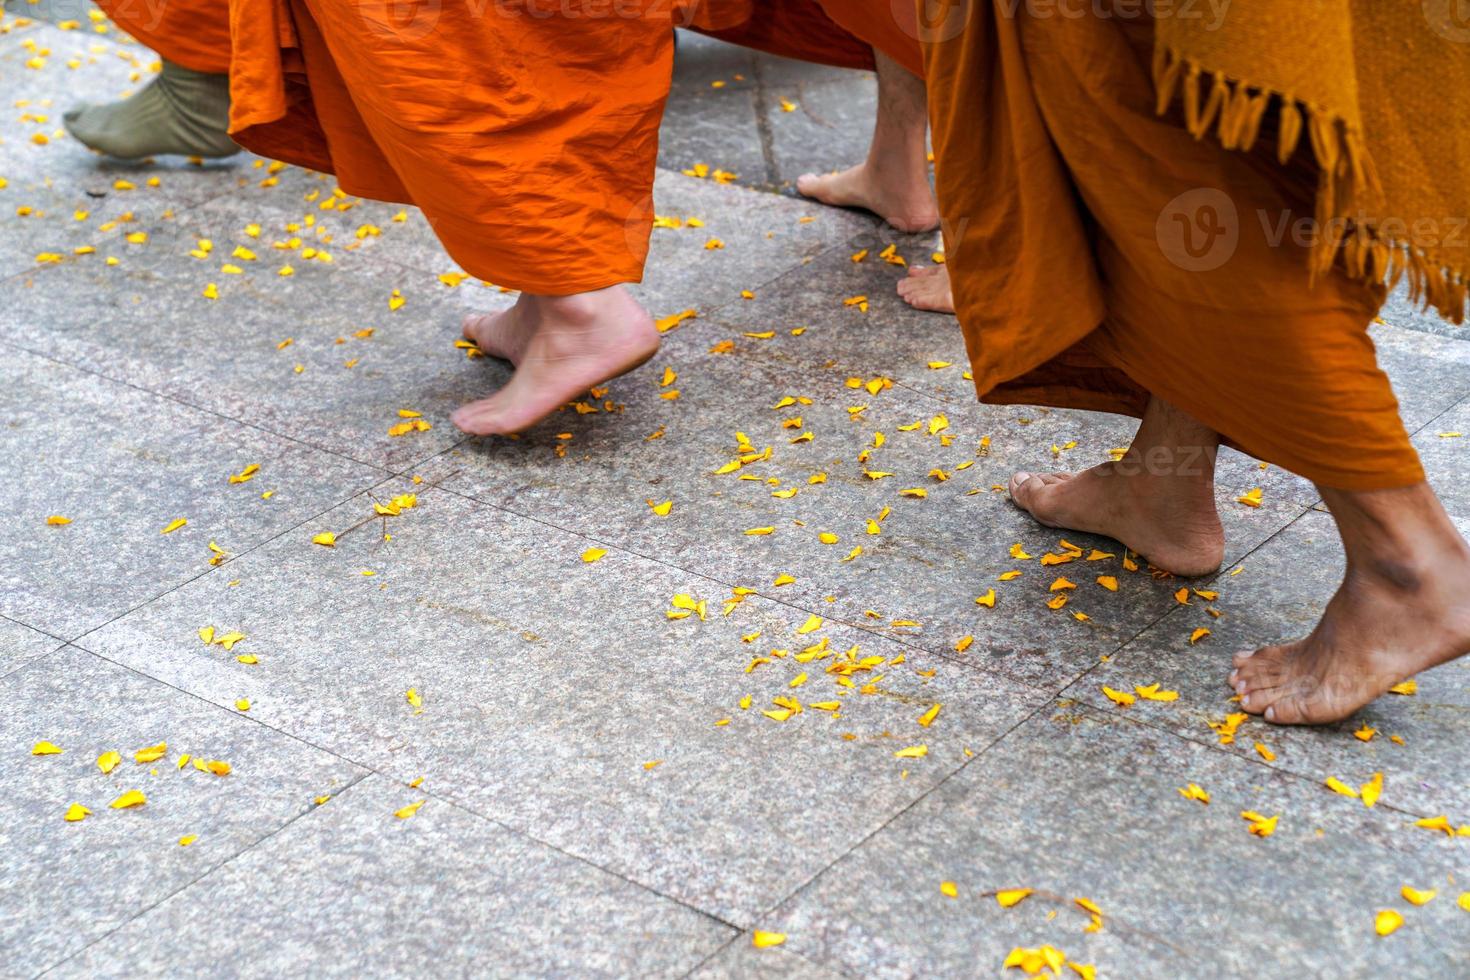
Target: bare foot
x,y
1169,520
1390,620
505,334
927,288
580,341
900,196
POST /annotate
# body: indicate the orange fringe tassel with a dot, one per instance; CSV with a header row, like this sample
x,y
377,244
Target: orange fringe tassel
x,y
1348,182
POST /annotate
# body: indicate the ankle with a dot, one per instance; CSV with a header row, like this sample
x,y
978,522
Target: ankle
x,y
1170,470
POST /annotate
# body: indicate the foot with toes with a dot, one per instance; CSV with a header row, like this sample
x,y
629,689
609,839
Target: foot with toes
x,y
561,346
927,288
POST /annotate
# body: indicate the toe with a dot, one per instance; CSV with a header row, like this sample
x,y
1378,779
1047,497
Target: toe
x,y
1018,486
1291,709
478,418
1241,656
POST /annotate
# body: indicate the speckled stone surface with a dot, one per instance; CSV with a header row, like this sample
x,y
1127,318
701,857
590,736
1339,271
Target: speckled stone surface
x,y
934,556
67,885
1279,595
121,465
618,780
742,960
1079,804
558,697
19,645
358,892
1444,448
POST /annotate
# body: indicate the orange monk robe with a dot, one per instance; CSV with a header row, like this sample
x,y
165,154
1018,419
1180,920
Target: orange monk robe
x,y
1099,253
889,26
830,32
191,33
526,130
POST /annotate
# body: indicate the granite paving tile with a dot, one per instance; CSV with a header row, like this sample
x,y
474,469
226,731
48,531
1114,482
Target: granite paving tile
x,y
1401,311
350,387
355,892
1279,595
19,645
1446,457
121,465
1081,804
700,118
832,124
741,960
67,885
933,557
558,696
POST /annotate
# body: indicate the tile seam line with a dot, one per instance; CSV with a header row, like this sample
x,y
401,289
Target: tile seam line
x,y
900,641
369,768
761,104
193,406
365,491
230,859
37,629
1214,746
1050,705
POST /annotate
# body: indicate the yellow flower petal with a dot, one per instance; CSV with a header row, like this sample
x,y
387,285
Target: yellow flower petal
x,y
1012,896
1387,921
131,798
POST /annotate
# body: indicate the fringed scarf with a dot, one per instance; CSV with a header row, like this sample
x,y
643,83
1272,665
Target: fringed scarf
x,y
1381,91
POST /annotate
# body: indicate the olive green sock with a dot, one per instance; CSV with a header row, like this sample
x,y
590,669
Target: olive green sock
x,y
180,111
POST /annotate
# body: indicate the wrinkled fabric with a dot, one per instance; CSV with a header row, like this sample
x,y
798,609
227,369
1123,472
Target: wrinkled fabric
x,y
526,130
1099,253
192,33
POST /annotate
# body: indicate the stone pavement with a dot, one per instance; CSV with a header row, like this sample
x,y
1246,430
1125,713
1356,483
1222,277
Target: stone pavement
x,y
630,765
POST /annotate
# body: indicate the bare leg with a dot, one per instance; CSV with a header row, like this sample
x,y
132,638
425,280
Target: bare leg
x,y
579,341
927,288
893,182
1402,608
1158,500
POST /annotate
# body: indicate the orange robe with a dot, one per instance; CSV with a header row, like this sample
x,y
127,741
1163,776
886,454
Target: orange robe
x,y
191,33
1099,254
526,130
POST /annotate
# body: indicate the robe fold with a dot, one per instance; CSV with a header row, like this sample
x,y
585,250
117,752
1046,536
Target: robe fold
x,y
192,33
1100,253
526,130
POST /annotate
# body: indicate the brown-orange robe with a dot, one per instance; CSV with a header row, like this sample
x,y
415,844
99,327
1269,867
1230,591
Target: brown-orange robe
x,y
192,33
1099,254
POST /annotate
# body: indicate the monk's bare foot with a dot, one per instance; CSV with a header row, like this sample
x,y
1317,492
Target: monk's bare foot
x,y
1398,612
580,341
927,288
899,195
1173,525
505,334
1158,499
